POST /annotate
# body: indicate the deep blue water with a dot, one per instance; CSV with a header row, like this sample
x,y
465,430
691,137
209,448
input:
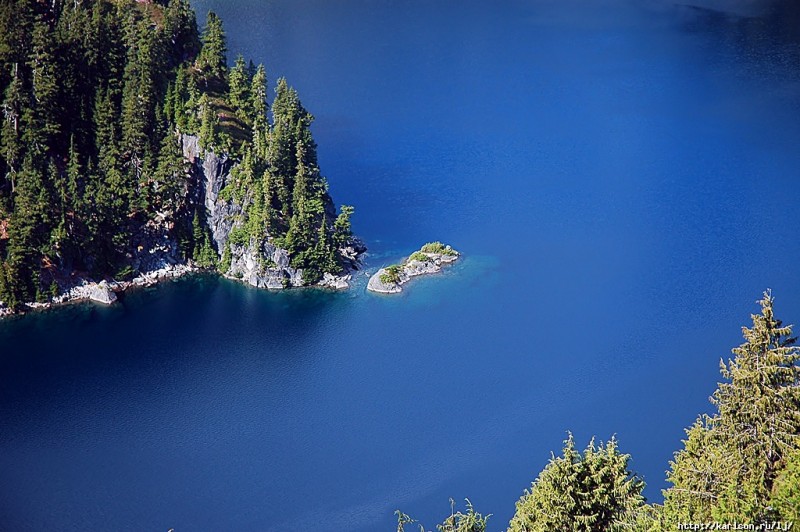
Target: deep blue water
x,y
622,178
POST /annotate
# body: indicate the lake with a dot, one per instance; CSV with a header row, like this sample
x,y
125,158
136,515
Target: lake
x,y
621,178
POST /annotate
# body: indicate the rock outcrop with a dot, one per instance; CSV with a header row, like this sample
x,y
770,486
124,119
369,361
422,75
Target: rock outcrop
x,y
258,263
428,260
101,293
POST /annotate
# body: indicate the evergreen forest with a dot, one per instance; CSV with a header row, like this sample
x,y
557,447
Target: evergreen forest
x,y
97,99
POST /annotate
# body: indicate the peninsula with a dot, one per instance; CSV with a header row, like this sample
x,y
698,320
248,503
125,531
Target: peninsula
x,y
131,151
428,260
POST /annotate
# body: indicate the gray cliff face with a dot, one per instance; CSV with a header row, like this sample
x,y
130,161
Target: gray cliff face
x,y
212,172
260,264
264,266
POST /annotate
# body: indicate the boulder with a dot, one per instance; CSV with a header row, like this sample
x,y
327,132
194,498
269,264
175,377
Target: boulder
x,y
101,293
375,284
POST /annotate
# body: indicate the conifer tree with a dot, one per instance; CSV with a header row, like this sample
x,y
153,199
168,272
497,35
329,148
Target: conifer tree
x,y
42,134
743,447
169,178
13,103
341,227
203,253
471,521
180,25
212,60
786,491
258,107
239,93
591,491
209,123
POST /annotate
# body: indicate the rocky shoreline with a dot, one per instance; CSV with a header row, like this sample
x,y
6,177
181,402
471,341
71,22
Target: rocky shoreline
x,y
428,260
105,291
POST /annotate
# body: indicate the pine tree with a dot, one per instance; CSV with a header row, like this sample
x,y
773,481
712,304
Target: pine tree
x,y
290,124
13,106
180,25
471,521
589,492
239,94
203,252
29,229
786,492
258,107
209,124
759,410
169,178
728,467
341,227
138,97
694,473
212,60
44,127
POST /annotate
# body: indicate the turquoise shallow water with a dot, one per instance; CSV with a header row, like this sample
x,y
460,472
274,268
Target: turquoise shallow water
x,y
621,178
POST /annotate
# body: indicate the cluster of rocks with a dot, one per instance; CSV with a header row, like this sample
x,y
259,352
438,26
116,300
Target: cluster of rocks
x,y
105,292
390,279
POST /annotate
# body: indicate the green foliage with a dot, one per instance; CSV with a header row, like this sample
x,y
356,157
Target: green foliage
x,y
95,97
240,83
125,273
731,460
342,232
391,274
471,521
212,61
589,491
403,520
439,248
209,124
203,251
786,490
419,256
238,236
226,259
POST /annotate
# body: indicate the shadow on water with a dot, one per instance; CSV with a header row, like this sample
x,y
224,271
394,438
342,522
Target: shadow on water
x,y
766,34
183,323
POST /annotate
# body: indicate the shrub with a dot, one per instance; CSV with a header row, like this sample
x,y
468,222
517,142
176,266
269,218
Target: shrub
x,y
391,274
419,256
438,247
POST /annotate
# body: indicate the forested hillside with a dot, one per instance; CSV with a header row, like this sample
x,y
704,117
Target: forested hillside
x,y
99,98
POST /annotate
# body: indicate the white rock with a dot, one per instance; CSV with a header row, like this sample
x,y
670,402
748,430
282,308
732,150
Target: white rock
x,y
101,293
336,282
375,284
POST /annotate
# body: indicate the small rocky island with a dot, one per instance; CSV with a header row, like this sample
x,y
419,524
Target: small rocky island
x,y
428,260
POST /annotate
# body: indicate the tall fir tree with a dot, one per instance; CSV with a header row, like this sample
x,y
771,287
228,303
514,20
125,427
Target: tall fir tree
x,y
259,108
742,448
593,491
239,96
212,61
